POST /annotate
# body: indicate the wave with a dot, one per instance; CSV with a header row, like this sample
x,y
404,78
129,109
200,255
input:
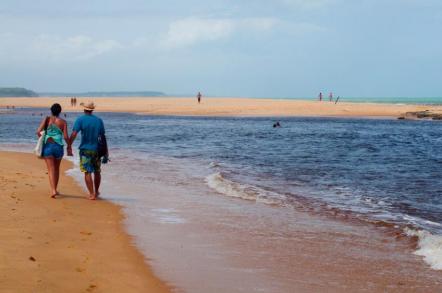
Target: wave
x,y
214,165
429,246
230,188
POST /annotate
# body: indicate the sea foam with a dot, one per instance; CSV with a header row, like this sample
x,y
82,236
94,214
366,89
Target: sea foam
x,y
429,247
230,188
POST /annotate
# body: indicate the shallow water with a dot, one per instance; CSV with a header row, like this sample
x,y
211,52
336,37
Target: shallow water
x,y
191,179
386,100
385,169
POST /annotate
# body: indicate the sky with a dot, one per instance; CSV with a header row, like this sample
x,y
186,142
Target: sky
x,y
278,48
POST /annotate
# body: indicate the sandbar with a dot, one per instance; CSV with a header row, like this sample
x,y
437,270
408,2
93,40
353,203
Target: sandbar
x,y
237,107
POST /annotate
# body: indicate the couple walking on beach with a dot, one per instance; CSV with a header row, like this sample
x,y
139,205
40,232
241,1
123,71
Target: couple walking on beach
x,y
92,147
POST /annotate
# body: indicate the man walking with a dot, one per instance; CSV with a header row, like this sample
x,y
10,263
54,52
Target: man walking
x,y
91,128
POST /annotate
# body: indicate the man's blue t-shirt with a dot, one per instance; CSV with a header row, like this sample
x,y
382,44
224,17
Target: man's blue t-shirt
x,y
91,127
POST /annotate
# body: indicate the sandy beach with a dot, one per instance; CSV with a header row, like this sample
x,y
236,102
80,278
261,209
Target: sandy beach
x,y
227,106
65,245
74,245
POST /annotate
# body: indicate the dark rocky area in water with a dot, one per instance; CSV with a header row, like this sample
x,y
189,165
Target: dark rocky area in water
x,y
427,114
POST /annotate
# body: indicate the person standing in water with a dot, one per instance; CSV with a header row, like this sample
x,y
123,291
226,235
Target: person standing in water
x,y
56,130
330,97
199,97
320,96
91,128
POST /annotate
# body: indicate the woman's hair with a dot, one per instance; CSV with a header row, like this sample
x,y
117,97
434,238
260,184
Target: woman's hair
x,y
56,109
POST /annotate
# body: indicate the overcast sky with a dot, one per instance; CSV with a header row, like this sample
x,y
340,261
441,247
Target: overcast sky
x,y
278,48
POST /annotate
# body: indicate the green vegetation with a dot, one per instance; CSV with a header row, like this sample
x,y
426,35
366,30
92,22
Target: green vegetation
x,y
16,92
22,92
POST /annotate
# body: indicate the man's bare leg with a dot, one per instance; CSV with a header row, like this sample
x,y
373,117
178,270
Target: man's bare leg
x,y
97,181
89,185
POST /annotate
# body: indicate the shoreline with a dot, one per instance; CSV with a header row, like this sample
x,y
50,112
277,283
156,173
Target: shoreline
x,y
228,107
322,254
268,247
65,245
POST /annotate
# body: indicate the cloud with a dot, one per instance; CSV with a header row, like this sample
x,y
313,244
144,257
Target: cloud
x,y
53,48
74,48
190,31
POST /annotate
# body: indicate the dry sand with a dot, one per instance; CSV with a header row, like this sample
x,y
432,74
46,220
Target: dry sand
x,y
69,244
227,107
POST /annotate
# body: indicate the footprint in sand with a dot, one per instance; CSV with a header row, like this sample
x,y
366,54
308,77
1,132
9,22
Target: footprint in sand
x,y
80,270
91,288
86,233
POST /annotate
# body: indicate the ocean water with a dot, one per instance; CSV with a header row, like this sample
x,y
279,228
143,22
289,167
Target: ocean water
x,y
386,100
164,169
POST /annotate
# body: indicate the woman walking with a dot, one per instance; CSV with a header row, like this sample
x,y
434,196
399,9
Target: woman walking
x,y
56,129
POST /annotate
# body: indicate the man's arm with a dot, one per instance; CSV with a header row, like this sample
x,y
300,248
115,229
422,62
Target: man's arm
x,y
75,130
73,136
103,131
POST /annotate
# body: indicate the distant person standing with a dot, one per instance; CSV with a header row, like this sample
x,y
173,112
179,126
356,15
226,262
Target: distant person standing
x,y
72,102
199,97
92,129
320,96
330,97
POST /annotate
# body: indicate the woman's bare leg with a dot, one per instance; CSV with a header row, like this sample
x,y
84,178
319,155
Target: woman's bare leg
x,y
51,168
57,173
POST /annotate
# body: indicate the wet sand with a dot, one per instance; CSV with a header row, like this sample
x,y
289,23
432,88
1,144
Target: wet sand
x,y
74,245
245,246
227,106
69,244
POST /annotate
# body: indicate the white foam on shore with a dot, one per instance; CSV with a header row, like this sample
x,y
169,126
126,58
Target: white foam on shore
x,y
429,247
230,188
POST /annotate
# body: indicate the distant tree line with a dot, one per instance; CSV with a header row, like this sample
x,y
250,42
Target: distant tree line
x,y
105,94
22,92
16,92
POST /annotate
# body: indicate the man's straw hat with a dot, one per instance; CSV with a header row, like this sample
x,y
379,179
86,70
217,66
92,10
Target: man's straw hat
x,y
88,105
